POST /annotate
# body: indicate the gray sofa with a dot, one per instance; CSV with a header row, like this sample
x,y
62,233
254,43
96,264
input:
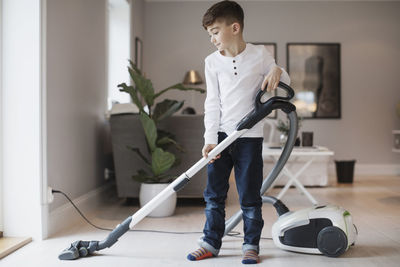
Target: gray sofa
x,y
126,130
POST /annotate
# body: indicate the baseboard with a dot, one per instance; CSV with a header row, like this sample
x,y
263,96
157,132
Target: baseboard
x,y
371,169
66,216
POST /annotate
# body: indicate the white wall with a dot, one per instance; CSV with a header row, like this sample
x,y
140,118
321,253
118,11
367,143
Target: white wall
x,y
76,96
21,139
370,45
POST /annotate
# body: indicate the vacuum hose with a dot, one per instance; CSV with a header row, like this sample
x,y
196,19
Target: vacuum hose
x,y
278,205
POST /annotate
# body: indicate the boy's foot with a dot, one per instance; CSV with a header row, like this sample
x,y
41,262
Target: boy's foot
x,y
250,257
199,254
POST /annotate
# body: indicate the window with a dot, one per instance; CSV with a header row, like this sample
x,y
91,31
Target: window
x,y
118,50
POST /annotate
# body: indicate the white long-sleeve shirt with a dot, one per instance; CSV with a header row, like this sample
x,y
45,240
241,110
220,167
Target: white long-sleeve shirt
x,y
232,84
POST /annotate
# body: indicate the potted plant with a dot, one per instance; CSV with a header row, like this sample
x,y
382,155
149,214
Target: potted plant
x,y
155,178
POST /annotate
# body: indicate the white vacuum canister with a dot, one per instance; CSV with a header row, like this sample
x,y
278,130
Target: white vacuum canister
x,y
326,229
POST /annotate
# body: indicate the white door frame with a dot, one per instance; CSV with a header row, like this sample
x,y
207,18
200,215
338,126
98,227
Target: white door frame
x,y
1,116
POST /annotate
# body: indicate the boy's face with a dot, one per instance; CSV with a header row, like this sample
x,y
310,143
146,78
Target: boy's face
x,y
222,35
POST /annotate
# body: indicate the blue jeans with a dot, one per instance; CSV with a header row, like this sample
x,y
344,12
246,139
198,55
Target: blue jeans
x,y
245,155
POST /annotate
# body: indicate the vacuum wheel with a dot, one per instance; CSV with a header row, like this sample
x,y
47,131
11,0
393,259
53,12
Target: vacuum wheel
x,y
332,241
83,252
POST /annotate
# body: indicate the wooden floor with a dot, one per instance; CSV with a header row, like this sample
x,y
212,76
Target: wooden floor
x,y
374,203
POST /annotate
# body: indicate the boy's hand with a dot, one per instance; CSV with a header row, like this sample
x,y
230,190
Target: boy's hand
x,y
206,149
272,79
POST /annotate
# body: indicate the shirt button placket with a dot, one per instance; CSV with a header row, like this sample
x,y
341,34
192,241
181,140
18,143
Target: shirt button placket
x,y
234,67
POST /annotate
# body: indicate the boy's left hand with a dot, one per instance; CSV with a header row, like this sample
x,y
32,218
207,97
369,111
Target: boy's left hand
x,y
272,79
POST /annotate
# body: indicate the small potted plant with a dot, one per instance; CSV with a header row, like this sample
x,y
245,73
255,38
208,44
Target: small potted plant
x,y
154,178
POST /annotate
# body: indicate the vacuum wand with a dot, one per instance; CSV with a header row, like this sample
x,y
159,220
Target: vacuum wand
x,y
261,110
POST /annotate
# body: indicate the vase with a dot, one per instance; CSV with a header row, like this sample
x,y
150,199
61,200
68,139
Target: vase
x,y
149,191
282,139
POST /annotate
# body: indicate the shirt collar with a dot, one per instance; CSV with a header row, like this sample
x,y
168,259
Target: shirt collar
x,y
238,56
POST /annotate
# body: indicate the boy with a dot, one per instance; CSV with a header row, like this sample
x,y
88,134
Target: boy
x,y
234,74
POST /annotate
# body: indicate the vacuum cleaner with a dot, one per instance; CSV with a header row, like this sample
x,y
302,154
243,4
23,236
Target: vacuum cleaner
x,y
261,110
323,229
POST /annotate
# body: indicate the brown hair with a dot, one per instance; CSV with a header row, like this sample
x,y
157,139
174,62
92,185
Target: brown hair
x,y
228,11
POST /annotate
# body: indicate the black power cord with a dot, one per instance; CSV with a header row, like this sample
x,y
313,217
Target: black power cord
x,y
232,233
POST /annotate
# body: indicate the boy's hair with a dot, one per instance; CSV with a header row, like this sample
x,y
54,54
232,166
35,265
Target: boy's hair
x,y
228,11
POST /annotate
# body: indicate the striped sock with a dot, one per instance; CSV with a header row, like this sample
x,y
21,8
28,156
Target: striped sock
x,y
199,254
250,257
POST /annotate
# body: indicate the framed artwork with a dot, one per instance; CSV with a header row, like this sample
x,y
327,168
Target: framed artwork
x,y
271,47
138,53
314,70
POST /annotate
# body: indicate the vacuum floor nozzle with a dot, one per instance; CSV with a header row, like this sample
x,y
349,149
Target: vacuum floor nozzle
x,y
78,249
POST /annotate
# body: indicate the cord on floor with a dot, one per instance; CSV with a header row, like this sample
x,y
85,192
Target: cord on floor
x,y
232,233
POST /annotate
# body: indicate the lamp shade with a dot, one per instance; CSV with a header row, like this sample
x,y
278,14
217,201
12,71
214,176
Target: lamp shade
x,y
192,77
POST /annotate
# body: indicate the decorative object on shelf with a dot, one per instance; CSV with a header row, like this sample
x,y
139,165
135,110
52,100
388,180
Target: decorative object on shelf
x,y
158,141
283,128
314,70
192,77
307,138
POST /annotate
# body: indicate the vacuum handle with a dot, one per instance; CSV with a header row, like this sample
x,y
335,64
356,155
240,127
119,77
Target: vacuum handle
x,y
284,86
261,110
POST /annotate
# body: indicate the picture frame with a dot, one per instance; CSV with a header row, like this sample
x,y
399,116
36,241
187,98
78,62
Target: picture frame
x,y
315,74
271,47
138,53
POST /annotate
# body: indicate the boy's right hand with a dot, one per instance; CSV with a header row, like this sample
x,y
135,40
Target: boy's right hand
x,y
206,149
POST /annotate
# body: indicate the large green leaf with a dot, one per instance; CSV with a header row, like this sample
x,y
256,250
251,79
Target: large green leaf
x,y
132,91
166,108
150,130
179,86
160,136
167,141
143,85
161,161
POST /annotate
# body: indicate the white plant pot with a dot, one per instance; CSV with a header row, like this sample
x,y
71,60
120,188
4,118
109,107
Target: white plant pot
x,y
149,191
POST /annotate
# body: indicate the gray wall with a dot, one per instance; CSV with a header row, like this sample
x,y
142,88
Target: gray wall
x,y
76,95
370,55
